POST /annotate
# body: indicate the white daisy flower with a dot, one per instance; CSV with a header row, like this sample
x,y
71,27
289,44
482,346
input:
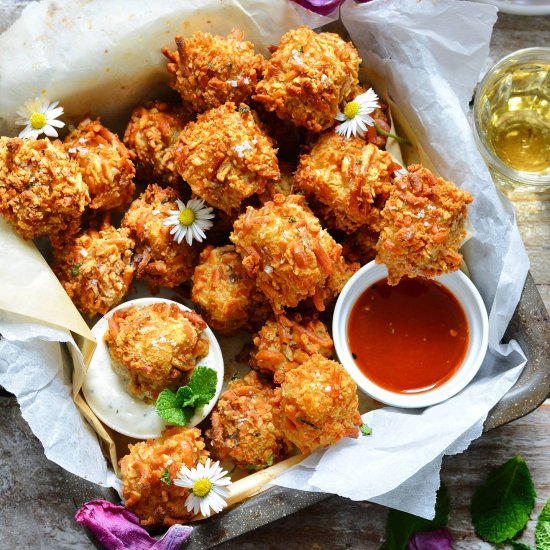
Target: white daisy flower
x,y
39,116
207,487
190,221
356,114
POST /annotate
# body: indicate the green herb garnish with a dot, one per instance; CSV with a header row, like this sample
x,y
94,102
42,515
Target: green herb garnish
x,y
178,408
401,526
76,269
542,530
291,219
306,422
520,546
501,507
165,477
365,430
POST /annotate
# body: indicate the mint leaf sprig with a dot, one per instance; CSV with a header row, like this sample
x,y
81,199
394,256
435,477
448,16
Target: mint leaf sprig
x,y
542,530
178,408
501,507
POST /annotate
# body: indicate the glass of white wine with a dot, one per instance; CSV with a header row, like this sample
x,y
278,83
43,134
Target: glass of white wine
x,y
511,120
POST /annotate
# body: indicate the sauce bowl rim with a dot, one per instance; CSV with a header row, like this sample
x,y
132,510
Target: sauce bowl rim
x,y
467,295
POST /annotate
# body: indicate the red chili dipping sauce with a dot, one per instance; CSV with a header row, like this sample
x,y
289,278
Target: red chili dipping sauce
x,y
408,338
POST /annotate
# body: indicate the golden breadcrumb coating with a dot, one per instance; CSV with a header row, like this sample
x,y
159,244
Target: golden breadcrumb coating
x,y
307,78
244,426
151,135
284,186
41,189
379,116
360,246
225,156
286,250
287,341
95,268
207,71
228,298
155,347
423,226
342,272
318,402
104,163
159,259
347,179
147,473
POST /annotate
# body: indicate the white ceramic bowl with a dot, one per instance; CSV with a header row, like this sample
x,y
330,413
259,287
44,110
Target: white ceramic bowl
x,y
476,315
105,391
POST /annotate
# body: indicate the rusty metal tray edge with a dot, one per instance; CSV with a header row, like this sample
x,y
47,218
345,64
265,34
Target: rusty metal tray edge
x,y
530,326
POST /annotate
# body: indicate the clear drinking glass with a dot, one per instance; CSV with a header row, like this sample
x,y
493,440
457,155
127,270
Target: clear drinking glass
x,y
511,120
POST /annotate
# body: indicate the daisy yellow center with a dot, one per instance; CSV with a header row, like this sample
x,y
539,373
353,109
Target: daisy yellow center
x,y
186,217
38,120
202,487
351,110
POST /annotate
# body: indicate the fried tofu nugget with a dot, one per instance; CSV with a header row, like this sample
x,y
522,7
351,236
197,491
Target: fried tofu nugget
x,y
244,426
147,473
207,71
318,402
228,298
423,226
286,250
104,163
41,189
226,157
285,342
151,135
155,347
346,180
307,78
95,268
159,259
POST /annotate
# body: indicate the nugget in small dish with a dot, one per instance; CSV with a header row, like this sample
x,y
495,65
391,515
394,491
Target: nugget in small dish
x,y
228,298
423,226
308,76
245,426
226,157
207,71
155,347
284,247
287,341
347,179
151,135
104,163
95,268
159,259
318,403
41,189
148,472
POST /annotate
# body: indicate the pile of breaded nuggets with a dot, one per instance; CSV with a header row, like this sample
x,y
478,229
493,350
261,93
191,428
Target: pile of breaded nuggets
x,y
298,209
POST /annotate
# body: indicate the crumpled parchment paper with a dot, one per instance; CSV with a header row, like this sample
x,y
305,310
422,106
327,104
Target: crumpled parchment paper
x,y
103,56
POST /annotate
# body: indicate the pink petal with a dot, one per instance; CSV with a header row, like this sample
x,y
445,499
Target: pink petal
x,y
116,528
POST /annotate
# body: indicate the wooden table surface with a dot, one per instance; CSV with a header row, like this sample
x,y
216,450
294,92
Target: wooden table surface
x,y
32,489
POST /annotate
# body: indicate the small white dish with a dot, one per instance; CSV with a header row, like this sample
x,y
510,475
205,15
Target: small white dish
x,y
478,323
105,391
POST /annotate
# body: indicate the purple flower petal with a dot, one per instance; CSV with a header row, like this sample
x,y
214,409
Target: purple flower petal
x,y
431,540
116,528
322,7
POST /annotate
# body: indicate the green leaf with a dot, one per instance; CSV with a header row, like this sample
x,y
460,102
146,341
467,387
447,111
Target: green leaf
x,y
165,477
365,430
520,546
401,526
186,397
76,269
169,408
203,383
542,531
501,507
